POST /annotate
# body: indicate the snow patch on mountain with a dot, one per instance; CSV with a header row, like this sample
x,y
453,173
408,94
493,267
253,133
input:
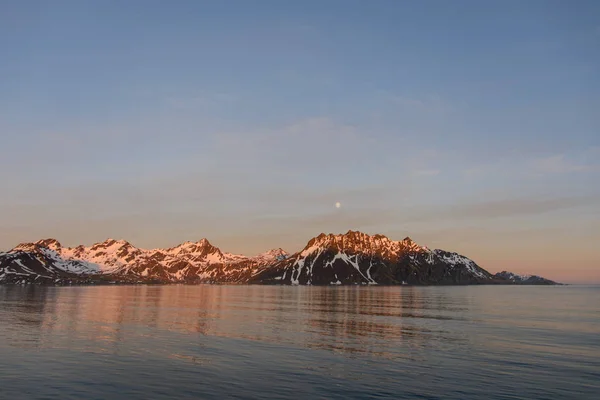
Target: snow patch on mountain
x,y
454,259
327,259
195,261
359,258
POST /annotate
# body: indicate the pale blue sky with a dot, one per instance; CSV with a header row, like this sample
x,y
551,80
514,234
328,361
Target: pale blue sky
x,y
468,125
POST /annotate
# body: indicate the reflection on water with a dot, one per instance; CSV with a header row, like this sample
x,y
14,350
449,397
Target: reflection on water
x,y
316,342
345,319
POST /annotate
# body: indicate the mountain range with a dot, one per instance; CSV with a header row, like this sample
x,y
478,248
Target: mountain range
x,y
327,259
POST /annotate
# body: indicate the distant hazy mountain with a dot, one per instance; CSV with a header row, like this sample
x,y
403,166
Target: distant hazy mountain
x,y
351,258
524,279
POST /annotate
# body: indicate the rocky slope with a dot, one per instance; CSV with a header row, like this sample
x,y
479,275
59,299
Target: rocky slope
x,y
350,258
118,260
357,258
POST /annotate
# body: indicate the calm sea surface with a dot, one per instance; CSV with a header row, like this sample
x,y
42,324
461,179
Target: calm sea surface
x,y
251,342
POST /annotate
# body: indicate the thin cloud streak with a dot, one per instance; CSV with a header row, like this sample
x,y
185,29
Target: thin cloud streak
x,y
505,208
558,164
524,167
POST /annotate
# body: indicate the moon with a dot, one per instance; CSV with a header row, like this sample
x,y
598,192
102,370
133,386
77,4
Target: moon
x,y
338,204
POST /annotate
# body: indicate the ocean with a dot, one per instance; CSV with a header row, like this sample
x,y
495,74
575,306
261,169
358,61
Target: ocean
x,y
284,342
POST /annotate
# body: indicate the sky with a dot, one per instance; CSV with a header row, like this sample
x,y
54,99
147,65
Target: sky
x,y
469,126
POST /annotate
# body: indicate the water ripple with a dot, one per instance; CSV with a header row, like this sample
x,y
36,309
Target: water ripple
x,y
177,341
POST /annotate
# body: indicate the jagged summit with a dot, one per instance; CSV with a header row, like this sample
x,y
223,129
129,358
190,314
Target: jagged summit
x,y
200,250
112,243
33,246
273,255
356,241
277,251
189,244
24,247
348,237
200,243
49,243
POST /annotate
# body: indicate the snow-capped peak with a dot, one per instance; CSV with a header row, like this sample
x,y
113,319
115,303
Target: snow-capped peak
x,y
201,249
272,255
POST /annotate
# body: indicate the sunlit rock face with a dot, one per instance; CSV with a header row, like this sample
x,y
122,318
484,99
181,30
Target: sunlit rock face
x,y
358,258
113,260
327,259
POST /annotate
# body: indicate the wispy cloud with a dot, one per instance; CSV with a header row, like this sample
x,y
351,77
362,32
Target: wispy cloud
x,y
557,164
314,145
526,167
